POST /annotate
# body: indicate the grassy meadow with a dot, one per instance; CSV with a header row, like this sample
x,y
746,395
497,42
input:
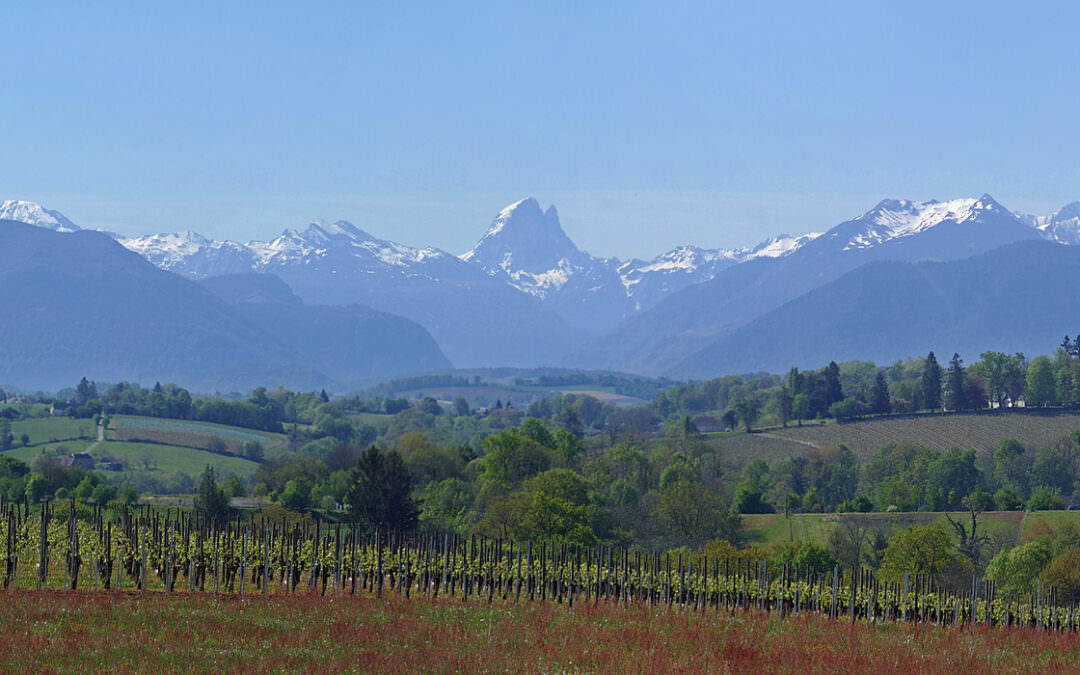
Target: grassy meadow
x,y
107,632
192,434
53,429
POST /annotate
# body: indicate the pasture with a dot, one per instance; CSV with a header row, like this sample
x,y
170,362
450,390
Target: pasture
x,y
193,434
53,429
172,459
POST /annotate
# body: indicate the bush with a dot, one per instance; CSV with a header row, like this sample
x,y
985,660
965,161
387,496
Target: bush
x,y
1044,498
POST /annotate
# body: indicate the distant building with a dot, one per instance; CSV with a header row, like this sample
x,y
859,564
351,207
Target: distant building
x,y
79,459
58,409
707,424
112,464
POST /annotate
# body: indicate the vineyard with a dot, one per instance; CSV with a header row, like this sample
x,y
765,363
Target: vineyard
x,y
981,431
74,547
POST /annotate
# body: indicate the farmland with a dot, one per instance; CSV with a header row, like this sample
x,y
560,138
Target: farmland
x,y
192,434
171,459
979,431
53,429
98,632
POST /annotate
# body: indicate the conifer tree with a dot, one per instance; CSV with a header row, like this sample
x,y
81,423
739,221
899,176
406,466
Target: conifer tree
x,y
931,383
955,399
879,394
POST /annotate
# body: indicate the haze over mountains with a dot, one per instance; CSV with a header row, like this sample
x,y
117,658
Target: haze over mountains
x,y
526,295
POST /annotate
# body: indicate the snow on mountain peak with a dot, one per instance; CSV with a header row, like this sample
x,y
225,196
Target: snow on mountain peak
x,y
776,247
341,229
34,214
1062,226
525,238
895,218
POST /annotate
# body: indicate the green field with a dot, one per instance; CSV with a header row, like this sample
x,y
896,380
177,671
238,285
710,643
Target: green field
x,y
168,459
65,447
377,420
981,432
51,429
192,434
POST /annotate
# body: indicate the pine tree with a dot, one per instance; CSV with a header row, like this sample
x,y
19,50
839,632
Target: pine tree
x,y
833,391
931,383
955,384
211,500
879,394
379,492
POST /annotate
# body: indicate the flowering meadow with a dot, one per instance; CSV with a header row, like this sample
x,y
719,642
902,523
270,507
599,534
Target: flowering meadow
x,y
78,631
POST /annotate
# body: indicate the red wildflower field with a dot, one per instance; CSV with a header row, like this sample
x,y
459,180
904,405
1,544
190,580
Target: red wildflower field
x,y
104,632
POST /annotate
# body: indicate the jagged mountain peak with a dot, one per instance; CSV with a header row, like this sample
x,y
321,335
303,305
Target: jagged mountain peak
x,y
33,213
525,238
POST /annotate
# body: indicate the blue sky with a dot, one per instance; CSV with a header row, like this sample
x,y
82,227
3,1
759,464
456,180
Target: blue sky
x,y
647,124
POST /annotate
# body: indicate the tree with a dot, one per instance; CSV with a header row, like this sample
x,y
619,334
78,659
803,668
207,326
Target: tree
x,y
36,488
747,410
1063,574
971,543
211,501
430,406
84,392
850,540
879,394
297,495
833,391
253,450
1045,498
1016,571
695,514
800,407
954,384
920,550
1041,386
461,407
931,383
786,405
379,492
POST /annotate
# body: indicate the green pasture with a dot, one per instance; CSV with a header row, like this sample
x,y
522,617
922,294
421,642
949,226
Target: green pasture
x,y
171,459
196,434
51,429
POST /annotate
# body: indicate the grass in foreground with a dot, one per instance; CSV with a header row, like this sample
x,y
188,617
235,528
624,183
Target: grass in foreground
x,y
103,632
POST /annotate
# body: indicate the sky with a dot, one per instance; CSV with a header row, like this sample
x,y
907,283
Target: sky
x,y
648,125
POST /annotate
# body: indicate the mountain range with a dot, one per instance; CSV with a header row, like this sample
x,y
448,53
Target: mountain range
x,y
77,303
526,295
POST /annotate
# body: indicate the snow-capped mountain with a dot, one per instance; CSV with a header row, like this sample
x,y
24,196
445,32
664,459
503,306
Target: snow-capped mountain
x,y
525,293
35,214
528,248
687,321
193,255
894,219
1062,226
